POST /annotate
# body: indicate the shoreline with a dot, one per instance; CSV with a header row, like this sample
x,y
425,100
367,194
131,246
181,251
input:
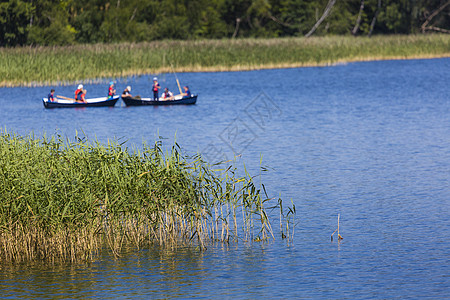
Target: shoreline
x,y
213,69
97,63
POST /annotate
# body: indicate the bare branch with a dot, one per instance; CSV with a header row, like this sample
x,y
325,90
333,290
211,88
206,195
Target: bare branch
x,y
434,14
279,22
436,29
133,15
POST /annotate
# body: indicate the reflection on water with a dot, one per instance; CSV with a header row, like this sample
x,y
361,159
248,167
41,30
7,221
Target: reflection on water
x,y
369,141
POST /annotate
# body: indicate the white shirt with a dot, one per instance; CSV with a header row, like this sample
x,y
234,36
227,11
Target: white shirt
x,y
167,95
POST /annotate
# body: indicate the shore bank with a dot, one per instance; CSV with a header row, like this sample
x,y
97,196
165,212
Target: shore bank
x,y
50,66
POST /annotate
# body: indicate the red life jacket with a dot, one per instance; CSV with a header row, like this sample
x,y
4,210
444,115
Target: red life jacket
x,y
78,93
155,87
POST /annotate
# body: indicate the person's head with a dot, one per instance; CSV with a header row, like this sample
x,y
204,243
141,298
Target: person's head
x,y
129,88
52,91
80,86
186,88
155,78
166,89
111,83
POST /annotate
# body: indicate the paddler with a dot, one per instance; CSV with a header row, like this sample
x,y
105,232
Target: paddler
x,y
127,92
78,92
167,95
155,88
111,90
187,92
82,96
51,96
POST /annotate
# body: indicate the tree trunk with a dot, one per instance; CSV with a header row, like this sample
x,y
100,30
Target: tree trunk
x,y
238,21
437,29
434,14
323,17
374,20
358,20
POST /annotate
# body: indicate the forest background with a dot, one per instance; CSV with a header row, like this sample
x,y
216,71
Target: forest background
x,y
69,22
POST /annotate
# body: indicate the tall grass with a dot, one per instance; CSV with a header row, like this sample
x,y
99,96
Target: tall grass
x,y
66,65
66,200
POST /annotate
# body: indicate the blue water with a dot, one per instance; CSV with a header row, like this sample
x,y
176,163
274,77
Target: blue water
x,y
369,141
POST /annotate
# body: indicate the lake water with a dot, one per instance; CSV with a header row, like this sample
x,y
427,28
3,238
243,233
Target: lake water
x,y
369,141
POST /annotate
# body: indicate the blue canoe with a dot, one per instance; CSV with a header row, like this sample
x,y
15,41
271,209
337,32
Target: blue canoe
x,y
133,101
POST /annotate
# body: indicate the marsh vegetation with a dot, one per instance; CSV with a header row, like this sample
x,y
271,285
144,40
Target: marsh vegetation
x,y
73,64
66,200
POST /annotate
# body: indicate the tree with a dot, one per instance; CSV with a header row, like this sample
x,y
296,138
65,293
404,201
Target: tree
x,y
51,25
426,25
358,20
325,14
15,19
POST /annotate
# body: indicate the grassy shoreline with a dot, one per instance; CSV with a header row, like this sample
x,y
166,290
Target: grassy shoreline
x,y
86,63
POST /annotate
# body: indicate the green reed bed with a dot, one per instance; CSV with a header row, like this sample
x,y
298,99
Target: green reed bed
x,y
63,200
71,64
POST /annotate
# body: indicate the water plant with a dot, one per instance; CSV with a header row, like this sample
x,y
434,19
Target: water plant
x,y
66,200
73,64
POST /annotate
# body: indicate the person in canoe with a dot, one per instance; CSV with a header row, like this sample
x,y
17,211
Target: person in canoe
x,y
111,90
127,92
187,92
79,92
155,88
167,95
51,96
82,97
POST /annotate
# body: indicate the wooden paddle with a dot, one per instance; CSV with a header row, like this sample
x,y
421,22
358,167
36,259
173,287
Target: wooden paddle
x,y
176,77
179,86
65,98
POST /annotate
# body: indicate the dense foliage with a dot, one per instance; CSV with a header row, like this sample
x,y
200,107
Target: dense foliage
x,y
63,22
62,199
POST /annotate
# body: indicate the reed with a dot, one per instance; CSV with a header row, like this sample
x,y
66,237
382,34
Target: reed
x,y
66,200
73,64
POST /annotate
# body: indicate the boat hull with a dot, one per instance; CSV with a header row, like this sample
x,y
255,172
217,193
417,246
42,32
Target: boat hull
x,y
129,101
95,102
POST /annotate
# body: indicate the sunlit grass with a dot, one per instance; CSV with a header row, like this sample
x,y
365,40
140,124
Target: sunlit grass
x,y
66,200
66,65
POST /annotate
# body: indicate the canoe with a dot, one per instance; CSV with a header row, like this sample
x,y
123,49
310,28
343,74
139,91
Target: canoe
x,y
93,102
132,101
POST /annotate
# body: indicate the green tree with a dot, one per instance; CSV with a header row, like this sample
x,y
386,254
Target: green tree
x,y
15,19
51,24
86,16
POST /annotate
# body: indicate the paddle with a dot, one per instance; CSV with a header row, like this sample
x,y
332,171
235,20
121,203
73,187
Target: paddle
x,y
179,87
65,98
176,77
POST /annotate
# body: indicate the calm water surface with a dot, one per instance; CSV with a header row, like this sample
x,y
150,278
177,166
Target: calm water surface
x,y
369,141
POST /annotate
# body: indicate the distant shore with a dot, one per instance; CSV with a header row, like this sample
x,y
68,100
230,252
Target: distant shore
x,y
41,66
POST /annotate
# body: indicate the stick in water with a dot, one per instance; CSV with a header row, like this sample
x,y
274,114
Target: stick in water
x,y
339,236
